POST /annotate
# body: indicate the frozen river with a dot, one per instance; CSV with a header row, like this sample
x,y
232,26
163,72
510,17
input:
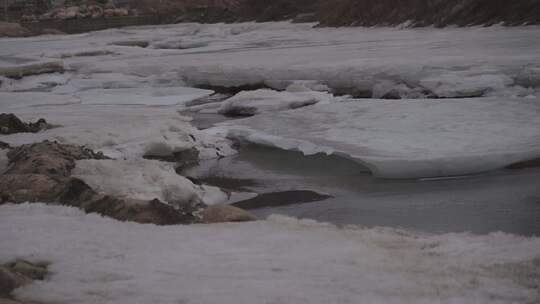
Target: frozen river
x,y
404,133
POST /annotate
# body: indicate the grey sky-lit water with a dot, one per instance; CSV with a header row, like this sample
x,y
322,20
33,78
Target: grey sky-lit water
x,y
506,200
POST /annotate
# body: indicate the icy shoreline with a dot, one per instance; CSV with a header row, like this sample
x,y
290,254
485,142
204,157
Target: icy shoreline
x,y
407,138
129,102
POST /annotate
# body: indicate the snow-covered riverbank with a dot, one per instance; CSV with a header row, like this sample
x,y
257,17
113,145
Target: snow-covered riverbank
x,y
280,260
435,103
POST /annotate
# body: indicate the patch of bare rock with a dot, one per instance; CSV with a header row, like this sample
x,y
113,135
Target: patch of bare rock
x,y
20,71
41,172
17,274
8,29
225,213
10,124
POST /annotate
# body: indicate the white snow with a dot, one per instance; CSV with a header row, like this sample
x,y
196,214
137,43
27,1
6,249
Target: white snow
x,y
125,101
452,62
258,101
145,180
138,179
406,138
281,260
143,96
120,131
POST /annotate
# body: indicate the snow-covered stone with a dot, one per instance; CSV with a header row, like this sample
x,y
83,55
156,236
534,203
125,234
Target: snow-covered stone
x,y
247,103
140,179
120,131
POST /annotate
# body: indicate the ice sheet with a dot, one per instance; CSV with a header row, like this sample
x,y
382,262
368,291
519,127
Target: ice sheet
x,y
406,138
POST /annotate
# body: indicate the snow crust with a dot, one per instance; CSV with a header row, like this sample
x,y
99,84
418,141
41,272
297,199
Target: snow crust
x,y
142,96
140,179
410,63
145,180
120,131
258,101
281,260
408,138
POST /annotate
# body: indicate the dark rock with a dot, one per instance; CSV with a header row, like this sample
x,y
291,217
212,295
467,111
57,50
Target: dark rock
x,y
183,159
20,188
41,173
222,213
228,183
526,164
217,97
284,198
29,270
77,193
132,43
8,29
11,124
48,157
232,90
20,71
4,145
392,94
17,274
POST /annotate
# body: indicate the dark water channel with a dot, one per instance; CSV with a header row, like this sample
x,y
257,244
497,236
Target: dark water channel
x,y
505,200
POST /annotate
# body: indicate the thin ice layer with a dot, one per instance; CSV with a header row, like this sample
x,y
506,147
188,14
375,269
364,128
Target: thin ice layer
x,y
406,139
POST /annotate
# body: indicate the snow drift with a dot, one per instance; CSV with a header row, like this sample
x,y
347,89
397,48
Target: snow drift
x,y
282,260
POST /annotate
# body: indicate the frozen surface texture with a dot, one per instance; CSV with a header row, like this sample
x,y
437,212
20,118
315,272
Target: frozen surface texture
x,y
389,62
120,131
282,260
407,138
249,103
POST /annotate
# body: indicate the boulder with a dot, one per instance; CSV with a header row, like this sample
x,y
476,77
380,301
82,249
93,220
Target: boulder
x,y
20,71
95,11
222,213
20,188
77,193
8,29
41,173
48,157
109,12
132,43
526,164
29,270
121,12
9,280
183,158
16,274
51,31
9,124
